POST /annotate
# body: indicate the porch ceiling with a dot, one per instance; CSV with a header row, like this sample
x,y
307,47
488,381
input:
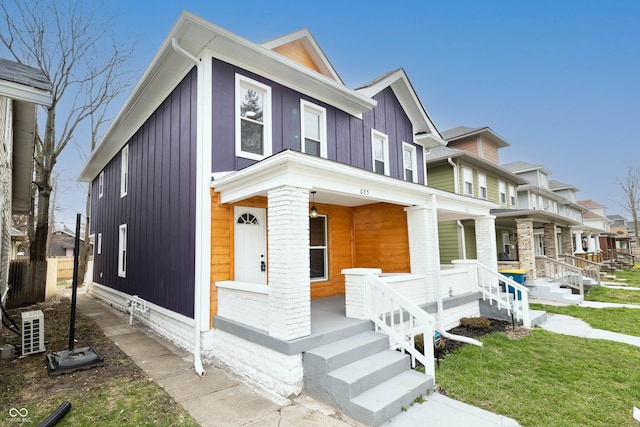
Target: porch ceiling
x,y
506,218
339,184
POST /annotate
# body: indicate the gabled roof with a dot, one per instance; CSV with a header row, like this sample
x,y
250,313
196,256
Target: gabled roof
x,y
425,131
442,154
590,204
520,167
557,185
193,37
303,48
461,132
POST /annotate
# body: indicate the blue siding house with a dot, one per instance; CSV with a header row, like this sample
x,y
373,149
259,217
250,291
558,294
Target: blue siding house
x,y
258,209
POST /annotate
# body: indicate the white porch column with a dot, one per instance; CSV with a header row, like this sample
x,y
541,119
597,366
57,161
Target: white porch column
x,y
424,251
578,242
486,245
598,248
289,285
591,244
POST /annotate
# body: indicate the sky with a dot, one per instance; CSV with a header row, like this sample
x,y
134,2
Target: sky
x,y
559,80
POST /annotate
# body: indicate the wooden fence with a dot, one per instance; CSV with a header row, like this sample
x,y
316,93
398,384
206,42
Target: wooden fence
x,y
64,268
21,291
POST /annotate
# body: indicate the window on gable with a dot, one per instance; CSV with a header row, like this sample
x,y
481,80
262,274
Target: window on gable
x,y
124,171
318,259
253,119
122,251
502,191
482,186
314,129
101,185
380,150
409,162
467,178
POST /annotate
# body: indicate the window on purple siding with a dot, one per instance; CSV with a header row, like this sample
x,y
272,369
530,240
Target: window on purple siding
x,y
380,151
101,185
409,162
122,251
253,118
124,171
314,129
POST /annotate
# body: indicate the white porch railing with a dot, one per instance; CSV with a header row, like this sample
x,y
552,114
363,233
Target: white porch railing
x,y
589,268
566,274
488,282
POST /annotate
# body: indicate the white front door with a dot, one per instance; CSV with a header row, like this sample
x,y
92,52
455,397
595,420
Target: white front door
x,y
250,253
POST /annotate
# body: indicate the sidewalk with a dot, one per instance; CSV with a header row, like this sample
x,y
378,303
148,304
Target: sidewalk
x,y
222,399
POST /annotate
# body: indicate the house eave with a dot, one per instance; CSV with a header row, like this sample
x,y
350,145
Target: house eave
x,y
205,40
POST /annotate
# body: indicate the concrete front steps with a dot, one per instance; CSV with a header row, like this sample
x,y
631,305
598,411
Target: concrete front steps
x,y
362,377
545,289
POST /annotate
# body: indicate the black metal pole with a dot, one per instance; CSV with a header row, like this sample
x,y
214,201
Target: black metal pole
x,y
74,285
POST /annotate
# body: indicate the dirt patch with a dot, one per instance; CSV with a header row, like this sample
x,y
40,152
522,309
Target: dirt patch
x,y
26,379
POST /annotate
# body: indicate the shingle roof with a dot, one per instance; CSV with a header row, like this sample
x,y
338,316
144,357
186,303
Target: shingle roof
x,y
459,131
557,185
521,166
464,131
590,204
23,74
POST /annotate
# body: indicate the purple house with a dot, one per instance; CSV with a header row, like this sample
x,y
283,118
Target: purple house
x,y
251,208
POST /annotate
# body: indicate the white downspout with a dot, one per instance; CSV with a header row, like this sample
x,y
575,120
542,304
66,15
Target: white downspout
x,y
455,175
462,240
439,294
197,357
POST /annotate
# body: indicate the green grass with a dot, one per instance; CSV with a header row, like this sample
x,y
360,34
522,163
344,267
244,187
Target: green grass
x,y
620,296
622,320
632,275
546,379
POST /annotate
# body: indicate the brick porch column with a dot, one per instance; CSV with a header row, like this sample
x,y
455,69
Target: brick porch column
x,y
288,243
424,249
550,241
567,241
526,254
486,246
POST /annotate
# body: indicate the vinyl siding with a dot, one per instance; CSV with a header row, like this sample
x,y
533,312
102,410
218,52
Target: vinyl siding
x,y
441,177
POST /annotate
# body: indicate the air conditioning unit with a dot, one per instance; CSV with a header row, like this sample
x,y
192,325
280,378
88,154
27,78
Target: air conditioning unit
x,y
32,332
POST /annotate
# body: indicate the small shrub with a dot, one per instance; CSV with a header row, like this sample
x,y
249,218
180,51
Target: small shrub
x,y
481,323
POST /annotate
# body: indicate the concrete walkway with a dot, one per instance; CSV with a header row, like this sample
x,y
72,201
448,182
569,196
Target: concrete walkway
x,y
222,399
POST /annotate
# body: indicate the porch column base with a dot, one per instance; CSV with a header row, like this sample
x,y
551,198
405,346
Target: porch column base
x,y
355,291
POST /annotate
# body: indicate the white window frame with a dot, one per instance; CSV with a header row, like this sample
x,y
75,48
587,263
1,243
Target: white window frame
x,y
413,167
124,171
483,192
122,250
385,149
266,117
325,249
306,106
467,178
99,244
512,196
502,193
101,185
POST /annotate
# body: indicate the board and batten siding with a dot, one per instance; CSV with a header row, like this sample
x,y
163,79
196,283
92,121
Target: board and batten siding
x,y
159,208
348,137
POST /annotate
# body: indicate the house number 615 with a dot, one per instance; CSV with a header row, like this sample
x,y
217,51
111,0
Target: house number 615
x,y
364,191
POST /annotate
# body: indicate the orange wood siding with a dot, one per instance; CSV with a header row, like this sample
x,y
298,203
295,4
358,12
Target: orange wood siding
x,y
296,51
381,238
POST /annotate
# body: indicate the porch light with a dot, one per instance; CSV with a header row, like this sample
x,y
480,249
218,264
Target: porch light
x,y
313,212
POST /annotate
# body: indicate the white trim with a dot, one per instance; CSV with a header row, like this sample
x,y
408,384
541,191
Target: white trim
x,y
25,93
513,199
99,244
482,184
467,178
322,117
243,81
385,150
502,189
122,250
414,161
324,247
124,170
101,185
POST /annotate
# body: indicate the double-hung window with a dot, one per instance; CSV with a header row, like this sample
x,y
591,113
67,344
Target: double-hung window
x,y
467,179
318,259
409,162
380,150
124,171
314,129
101,185
122,251
512,196
253,119
502,192
482,186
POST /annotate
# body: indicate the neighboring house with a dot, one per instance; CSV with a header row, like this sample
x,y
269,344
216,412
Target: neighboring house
x,y
62,242
243,191
620,240
22,89
599,229
543,223
469,165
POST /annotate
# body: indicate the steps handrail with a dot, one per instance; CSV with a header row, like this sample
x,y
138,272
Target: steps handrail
x,y
565,267
595,267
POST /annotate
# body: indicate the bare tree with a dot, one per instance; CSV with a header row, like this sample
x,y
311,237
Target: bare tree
x,y
630,185
72,46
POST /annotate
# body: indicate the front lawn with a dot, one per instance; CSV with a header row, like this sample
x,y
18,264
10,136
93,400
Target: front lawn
x,y
620,296
547,379
632,276
622,320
